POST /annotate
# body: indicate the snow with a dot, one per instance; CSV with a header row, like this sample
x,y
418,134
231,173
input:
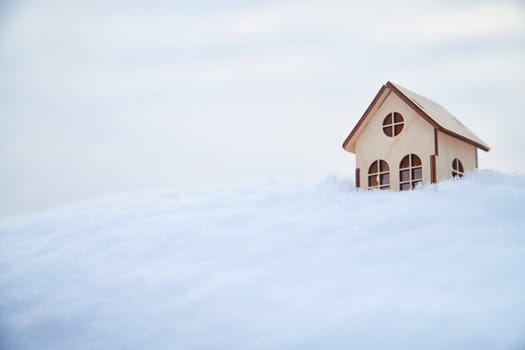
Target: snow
x,y
272,266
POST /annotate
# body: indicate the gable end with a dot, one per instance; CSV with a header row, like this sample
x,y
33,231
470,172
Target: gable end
x,y
363,118
429,119
349,142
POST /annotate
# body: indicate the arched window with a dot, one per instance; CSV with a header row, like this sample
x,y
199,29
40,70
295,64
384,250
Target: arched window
x,y
379,175
410,172
457,168
393,124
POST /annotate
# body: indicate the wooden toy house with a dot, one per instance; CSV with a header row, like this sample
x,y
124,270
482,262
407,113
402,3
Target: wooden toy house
x,y
404,139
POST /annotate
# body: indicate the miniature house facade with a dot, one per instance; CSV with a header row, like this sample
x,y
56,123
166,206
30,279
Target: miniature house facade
x,y
404,139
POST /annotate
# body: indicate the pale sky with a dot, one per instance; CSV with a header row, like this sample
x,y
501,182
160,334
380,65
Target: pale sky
x,y
101,97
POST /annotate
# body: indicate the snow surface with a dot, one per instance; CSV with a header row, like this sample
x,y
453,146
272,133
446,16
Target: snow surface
x,y
273,266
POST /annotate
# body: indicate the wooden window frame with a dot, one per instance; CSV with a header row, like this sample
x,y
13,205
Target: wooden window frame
x,y
412,170
457,168
393,125
382,169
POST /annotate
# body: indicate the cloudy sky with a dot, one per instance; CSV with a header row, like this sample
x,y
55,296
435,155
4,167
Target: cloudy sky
x,y
99,97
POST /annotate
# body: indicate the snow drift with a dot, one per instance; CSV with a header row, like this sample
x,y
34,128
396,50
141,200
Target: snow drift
x,y
272,266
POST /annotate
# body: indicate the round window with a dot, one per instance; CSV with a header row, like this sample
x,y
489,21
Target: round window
x,y
393,124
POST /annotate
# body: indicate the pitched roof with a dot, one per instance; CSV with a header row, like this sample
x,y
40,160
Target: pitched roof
x,y
432,112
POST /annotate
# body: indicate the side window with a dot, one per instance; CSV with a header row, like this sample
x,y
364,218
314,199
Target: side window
x,y
379,175
410,172
457,168
393,124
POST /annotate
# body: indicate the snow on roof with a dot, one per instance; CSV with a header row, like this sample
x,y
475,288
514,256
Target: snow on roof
x,y
440,116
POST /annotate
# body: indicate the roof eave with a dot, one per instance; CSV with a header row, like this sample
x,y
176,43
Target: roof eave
x,y
465,139
348,144
432,122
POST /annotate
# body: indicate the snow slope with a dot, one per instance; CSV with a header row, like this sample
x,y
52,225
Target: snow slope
x,y
272,266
